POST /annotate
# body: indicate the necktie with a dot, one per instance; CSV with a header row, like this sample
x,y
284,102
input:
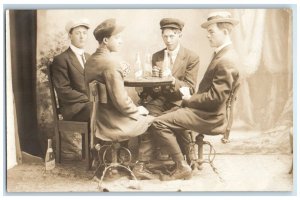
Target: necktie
x,y
83,59
171,60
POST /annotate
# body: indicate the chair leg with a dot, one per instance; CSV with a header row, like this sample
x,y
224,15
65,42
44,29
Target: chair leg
x,y
200,147
58,146
115,147
199,142
87,151
117,165
83,145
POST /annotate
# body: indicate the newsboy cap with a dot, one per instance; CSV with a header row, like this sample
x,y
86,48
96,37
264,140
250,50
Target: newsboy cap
x,y
77,22
107,28
221,16
171,23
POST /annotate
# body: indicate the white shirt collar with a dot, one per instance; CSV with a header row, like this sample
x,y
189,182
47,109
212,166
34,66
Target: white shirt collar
x,y
79,53
76,50
218,49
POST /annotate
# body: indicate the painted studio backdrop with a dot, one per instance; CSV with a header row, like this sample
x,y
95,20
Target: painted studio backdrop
x,y
263,39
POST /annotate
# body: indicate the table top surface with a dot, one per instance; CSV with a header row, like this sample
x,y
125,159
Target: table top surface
x,y
147,81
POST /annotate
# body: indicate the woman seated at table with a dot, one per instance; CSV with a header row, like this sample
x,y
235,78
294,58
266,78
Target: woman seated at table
x,y
119,119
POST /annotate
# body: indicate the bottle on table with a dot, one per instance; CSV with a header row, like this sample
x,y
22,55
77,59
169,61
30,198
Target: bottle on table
x,y
138,67
147,66
165,69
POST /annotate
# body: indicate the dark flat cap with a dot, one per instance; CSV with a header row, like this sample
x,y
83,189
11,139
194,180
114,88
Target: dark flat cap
x,y
107,28
171,23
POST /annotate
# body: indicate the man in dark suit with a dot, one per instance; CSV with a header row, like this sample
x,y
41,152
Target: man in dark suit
x,y
206,109
68,74
184,65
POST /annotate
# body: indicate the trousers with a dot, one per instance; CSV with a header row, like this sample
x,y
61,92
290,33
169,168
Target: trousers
x,y
147,145
167,128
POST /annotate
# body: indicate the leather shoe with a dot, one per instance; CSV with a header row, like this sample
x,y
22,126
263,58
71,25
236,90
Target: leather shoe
x,y
140,172
182,171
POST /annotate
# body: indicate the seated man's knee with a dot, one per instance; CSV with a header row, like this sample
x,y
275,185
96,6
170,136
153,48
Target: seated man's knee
x,y
156,126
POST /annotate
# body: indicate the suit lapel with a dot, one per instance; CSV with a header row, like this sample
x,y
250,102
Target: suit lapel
x,y
209,74
74,61
212,63
179,60
223,51
219,55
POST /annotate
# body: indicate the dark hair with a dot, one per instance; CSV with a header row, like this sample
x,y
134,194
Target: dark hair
x,y
225,25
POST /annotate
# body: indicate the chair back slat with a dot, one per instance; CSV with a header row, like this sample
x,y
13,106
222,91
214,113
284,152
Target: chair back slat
x,y
97,95
229,110
97,92
53,94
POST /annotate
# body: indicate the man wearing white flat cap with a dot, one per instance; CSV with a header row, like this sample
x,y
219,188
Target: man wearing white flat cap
x,y
205,110
68,73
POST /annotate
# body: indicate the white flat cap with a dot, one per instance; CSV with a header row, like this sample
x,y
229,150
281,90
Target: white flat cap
x,y
78,22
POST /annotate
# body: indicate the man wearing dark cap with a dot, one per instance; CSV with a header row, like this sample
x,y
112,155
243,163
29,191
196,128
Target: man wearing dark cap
x,y
184,65
205,110
67,72
118,118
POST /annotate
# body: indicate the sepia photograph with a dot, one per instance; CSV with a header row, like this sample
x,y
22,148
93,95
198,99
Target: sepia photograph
x,y
150,99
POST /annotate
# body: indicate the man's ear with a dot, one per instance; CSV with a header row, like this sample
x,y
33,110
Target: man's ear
x,y
105,40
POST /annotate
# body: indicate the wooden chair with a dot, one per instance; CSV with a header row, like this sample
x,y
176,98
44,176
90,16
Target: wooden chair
x,y
223,130
61,125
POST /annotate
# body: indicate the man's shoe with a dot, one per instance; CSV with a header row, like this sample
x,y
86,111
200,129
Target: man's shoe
x,y
140,172
182,171
162,155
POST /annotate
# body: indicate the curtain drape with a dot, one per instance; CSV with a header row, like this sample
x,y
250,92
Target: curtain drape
x,y
264,43
23,67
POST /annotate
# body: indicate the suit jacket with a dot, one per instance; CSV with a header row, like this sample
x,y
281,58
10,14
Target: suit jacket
x,y
118,119
68,79
185,71
209,103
